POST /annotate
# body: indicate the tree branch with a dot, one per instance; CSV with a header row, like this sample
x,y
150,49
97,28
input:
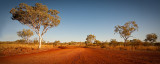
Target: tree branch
x,y
37,32
44,30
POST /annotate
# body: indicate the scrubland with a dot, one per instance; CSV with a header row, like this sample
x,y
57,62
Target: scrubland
x,y
76,54
14,48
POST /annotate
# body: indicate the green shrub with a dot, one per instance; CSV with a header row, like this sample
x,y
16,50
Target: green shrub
x,y
22,41
113,42
147,44
97,42
56,43
136,42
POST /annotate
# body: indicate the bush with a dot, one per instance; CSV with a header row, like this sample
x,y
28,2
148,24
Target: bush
x,y
104,45
136,42
86,47
62,47
56,43
147,44
113,42
156,44
120,43
97,42
21,41
72,43
127,44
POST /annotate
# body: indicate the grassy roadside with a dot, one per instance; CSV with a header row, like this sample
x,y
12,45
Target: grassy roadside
x,y
14,49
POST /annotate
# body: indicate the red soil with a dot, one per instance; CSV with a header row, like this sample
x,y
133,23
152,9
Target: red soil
x,y
84,56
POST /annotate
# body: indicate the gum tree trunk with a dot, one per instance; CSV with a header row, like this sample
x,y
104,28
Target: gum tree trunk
x,y
40,39
125,41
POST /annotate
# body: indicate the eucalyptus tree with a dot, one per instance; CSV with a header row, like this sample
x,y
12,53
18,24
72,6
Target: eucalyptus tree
x,y
25,34
126,30
38,17
151,37
90,39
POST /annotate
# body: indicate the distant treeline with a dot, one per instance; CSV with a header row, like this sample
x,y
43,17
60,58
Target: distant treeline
x,y
113,42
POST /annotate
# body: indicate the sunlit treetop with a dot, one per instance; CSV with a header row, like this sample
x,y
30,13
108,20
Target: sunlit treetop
x,y
126,30
91,38
25,34
35,16
151,37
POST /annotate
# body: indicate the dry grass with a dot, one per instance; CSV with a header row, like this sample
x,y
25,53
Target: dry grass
x,y
13,49
144,48
85,56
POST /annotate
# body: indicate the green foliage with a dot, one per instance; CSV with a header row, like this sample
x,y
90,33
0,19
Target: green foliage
x,y
104,45
88,43
20,41
90,39
136,42
35,17
113,42
97,42
25,34
151,37
120,43
62,47
147,44
126,30
128,43
72,43
56,43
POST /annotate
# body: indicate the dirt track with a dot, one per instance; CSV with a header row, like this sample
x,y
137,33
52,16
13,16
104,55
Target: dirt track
x,y
84,56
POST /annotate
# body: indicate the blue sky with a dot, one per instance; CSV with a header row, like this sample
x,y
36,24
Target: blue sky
x,y
80,18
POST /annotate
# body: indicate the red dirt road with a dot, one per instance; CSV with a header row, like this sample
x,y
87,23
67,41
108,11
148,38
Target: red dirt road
x,y
84,56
